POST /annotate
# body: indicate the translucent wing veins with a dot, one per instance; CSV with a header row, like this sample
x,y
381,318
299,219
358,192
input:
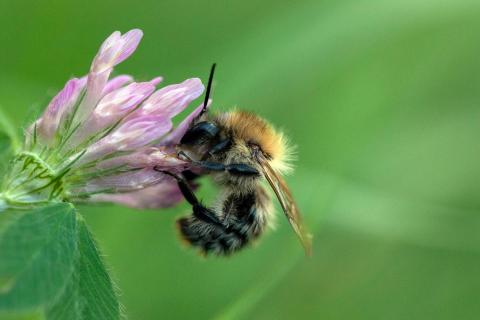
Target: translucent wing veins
x,y
288,204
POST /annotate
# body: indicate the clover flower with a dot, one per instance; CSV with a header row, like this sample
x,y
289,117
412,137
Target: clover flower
x,y
100,138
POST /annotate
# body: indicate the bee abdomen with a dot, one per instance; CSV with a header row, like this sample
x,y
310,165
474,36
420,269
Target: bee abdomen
x,y
211,238
239,224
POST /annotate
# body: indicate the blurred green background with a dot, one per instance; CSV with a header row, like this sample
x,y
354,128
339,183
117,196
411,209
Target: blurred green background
x,y
382,99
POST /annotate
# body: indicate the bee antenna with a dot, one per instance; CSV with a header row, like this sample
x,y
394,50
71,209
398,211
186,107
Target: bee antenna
x,y
209,89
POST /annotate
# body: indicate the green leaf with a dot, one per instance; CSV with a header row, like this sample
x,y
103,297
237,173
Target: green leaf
x,y
37,251
90,293
50,268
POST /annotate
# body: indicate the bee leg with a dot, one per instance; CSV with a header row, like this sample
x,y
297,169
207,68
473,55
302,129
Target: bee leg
x,y
183,185
190,175
199,210
220,146
240,169
234,168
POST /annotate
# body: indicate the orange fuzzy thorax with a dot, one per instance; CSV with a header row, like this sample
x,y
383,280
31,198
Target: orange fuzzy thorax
x,y
253,129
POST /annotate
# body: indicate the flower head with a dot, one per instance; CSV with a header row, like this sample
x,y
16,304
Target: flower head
x,y
99,139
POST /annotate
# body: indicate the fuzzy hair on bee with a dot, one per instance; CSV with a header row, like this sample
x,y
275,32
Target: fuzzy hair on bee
x,y
243,154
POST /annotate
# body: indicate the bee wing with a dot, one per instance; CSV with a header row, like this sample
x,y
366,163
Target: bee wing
x,y
288,204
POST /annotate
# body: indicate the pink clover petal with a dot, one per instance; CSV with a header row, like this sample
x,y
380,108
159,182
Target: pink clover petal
x,y
140,131
112,108
133,134
60,105
172,99
163,195
176,135
156,81
117,103
116,49
116,83
148,157
125,182
113,51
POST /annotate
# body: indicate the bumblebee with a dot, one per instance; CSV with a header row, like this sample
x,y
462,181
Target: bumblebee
x,y
240,151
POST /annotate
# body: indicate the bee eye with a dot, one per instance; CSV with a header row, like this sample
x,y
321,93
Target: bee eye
x,y
199,133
